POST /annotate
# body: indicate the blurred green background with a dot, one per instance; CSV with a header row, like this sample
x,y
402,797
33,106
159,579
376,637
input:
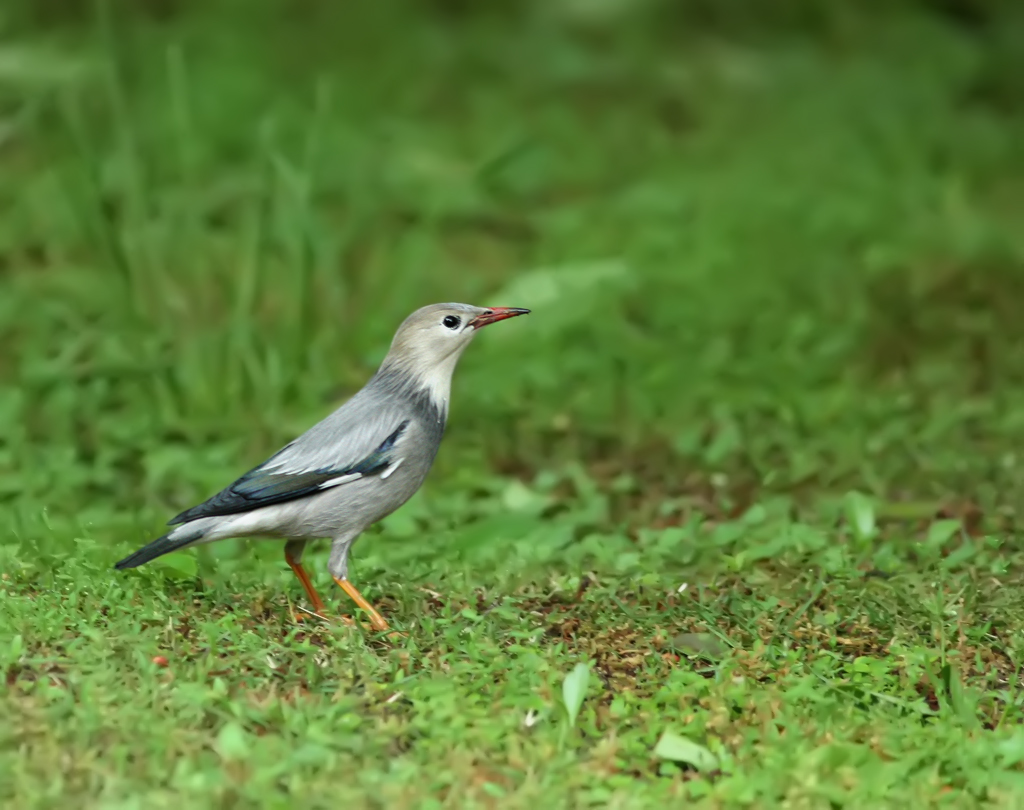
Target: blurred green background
x,y
786,240
773,251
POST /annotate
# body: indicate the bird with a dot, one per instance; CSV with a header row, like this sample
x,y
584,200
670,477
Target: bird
x,y
352,469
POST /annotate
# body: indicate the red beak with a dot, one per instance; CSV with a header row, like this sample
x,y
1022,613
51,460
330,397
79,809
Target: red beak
x,y
496,314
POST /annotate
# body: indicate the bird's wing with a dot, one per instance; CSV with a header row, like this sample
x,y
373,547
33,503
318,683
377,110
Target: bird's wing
x,y
355,441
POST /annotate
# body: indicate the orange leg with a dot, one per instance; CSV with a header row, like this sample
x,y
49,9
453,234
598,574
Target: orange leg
x,y
300,572
376,620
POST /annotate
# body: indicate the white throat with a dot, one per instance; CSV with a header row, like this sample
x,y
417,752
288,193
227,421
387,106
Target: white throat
x,y
438,381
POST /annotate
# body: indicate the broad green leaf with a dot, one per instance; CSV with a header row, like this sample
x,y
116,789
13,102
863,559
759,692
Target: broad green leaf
x,y
517,497
17,647
178,566
700,644
574,690
960,555
232,742
860,514
941,532
677,748
1011,750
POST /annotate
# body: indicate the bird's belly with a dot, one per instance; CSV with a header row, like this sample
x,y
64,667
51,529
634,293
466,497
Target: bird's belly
x,y
348,508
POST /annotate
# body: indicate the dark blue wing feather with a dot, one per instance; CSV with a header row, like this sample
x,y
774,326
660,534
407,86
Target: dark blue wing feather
x,y
267,485
380,458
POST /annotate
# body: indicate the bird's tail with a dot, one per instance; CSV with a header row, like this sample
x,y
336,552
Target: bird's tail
x,y
172,541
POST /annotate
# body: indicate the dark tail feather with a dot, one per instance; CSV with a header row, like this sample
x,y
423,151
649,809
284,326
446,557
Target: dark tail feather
x,y
159,547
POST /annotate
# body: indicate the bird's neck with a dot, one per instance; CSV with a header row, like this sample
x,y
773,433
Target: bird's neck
x,y
433,385
437,382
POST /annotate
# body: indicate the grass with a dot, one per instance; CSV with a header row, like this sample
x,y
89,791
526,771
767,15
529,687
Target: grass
x,y
753,461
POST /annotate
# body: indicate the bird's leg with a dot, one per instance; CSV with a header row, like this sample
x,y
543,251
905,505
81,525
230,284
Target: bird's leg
x,y
376,620
338,566
293,556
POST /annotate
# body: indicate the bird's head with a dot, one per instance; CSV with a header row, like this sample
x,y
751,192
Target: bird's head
x,y
429,342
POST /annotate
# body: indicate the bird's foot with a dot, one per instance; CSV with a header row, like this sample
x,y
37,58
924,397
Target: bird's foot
x,y
300,614
377,622
369,627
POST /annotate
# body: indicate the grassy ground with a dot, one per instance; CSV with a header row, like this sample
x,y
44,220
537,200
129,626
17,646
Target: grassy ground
x,y
754,461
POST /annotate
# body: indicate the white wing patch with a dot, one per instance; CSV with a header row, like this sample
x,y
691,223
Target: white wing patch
x,y
391,469
341,479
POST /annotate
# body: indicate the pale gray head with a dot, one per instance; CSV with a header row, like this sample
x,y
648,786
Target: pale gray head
x,y
428,344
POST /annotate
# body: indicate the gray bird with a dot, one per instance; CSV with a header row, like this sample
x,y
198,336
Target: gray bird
x,y
352,469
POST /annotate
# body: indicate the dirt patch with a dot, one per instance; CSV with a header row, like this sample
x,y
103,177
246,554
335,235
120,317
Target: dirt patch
x,y
629,641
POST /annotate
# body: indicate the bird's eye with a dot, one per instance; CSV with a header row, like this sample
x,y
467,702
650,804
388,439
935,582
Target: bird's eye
x,y
451,322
